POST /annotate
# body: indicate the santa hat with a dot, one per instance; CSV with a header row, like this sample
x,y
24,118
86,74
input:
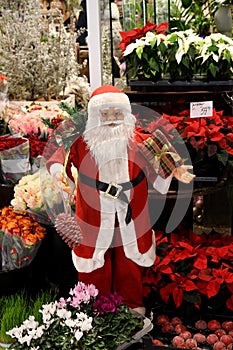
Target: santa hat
x,y
107,96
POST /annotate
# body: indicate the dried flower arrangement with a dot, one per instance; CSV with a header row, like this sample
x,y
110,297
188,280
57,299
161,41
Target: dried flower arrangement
x,y
39,62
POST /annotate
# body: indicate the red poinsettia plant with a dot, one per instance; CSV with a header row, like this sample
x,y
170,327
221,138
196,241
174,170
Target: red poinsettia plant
x,y
217,128
209,140
137,33
142,41
192,268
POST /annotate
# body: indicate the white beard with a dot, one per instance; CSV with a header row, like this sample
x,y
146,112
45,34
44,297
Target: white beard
x,y
109,146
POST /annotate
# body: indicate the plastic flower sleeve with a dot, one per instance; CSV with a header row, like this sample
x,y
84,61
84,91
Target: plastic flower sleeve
x,y
15,253
14,156
55,197
21,237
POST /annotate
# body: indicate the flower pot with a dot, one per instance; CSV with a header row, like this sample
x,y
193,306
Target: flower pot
x,y
223,20
4,345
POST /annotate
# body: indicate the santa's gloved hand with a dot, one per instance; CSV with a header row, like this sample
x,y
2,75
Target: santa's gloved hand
x,y
182,174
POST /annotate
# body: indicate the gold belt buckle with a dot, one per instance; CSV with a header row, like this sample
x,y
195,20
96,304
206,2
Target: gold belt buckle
x,y
118,190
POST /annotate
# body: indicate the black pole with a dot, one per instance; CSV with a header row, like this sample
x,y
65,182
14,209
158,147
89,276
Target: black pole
x,y
168,12
155,12
111,38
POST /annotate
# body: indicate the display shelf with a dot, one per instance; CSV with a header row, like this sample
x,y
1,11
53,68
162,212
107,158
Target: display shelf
x,y
141,91
164,85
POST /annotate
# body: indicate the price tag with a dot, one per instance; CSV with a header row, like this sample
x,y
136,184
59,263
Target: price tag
x,y
201,109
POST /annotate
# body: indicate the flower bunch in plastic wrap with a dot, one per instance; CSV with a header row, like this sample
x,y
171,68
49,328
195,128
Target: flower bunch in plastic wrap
x,y
20,238
40,196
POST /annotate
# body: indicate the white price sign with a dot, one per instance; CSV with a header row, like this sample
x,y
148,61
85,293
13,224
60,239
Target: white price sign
x,y
201,109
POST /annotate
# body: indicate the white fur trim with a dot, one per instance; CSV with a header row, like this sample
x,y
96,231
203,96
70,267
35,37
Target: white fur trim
x,y
162,185
132,252
109,99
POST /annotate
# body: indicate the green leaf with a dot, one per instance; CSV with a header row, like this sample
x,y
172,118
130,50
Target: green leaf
x,y
213,69
139,51
186,3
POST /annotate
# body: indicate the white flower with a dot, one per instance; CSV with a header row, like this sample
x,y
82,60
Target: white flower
x,y
86,324
70,323
133,46
78,335
63,313
48,310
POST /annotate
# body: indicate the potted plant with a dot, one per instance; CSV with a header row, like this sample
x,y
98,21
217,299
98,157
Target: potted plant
x,y
217,13
14,308
143,51
192,270
82,321
180,55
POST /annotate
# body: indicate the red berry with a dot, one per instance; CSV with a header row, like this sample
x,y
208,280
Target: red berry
x,y
219,346
212,338
157,342
213,325
219,332
180,328
175,321
161,319
200,338
227,325
186,335
191,343
167,328
201,324
226,339
177,341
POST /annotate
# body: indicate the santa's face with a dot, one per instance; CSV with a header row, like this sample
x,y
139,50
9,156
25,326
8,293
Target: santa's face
x,y
111,116
108,133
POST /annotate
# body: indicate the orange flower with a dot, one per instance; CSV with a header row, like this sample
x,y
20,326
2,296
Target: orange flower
x,y
22,225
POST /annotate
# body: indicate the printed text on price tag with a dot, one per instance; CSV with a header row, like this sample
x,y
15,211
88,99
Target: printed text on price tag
x,y
201,109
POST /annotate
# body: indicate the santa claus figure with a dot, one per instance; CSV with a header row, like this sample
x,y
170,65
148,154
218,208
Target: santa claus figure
x,y
115,162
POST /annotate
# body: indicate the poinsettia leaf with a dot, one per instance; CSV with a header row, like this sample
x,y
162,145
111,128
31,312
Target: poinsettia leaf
x,y
177,296
228,277
189,286
230,287
200,262
166,269
213,288
166,291
229,303
205,275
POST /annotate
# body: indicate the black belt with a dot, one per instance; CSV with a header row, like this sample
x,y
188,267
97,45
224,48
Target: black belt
x,y
113,190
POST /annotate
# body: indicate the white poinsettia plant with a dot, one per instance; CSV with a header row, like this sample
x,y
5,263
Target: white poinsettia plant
x,y
216,55
177,55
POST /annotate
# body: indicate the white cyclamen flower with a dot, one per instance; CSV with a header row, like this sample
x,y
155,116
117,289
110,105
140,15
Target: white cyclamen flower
x,y
78,335
63,313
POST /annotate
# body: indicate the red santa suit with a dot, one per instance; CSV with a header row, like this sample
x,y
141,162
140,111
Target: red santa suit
x,y
112,198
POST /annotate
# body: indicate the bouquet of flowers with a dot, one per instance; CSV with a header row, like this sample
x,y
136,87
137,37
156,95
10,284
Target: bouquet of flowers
x,y
20,238
82,321
41,196
38,120
36,123
14,157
